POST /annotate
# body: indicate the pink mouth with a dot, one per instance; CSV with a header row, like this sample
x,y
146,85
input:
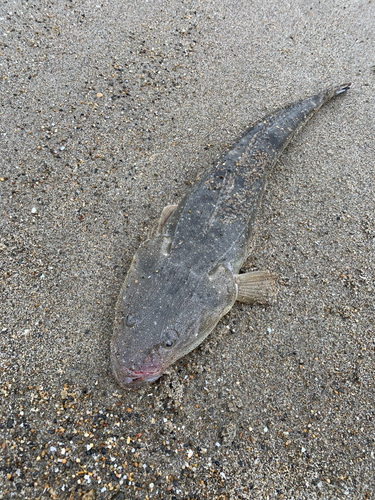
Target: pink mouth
x,y
145,373
131,380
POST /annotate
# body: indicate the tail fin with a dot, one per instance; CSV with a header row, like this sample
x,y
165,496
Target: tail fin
x,y
342,88
286,123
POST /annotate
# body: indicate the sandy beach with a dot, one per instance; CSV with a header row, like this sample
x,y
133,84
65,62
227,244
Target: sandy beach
x,y
109,111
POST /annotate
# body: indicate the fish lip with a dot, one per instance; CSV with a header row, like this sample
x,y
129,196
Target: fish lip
x,y
129,379
133,378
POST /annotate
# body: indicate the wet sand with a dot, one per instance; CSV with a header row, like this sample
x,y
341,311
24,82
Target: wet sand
x,y
109,112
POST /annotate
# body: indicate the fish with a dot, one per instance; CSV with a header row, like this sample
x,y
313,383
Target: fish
x,y
186,277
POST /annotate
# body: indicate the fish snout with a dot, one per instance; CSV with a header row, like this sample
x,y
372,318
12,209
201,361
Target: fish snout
x,y
133,379
131,367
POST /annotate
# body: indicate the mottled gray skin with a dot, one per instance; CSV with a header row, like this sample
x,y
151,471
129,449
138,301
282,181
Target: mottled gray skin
x,y
181,282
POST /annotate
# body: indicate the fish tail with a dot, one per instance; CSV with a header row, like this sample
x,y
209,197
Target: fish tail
x,y
343,88
281,127
333,92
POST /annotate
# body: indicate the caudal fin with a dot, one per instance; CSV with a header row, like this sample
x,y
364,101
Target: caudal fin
x,y
343,88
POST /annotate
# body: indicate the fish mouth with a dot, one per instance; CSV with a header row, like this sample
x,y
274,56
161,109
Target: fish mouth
x,y
140,374
133,379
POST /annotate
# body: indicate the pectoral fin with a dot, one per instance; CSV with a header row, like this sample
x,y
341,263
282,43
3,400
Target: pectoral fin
x,y
258,286
166,213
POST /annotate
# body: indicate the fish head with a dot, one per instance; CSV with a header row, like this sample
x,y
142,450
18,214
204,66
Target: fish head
x,y
140,355
162,313
151,331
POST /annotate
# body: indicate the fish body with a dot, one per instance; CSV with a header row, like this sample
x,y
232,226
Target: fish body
x,y
185,279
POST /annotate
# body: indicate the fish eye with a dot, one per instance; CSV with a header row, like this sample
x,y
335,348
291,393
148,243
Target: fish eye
x,y
169,343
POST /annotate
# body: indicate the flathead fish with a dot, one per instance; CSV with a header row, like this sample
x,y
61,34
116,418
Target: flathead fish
x,y
185,278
